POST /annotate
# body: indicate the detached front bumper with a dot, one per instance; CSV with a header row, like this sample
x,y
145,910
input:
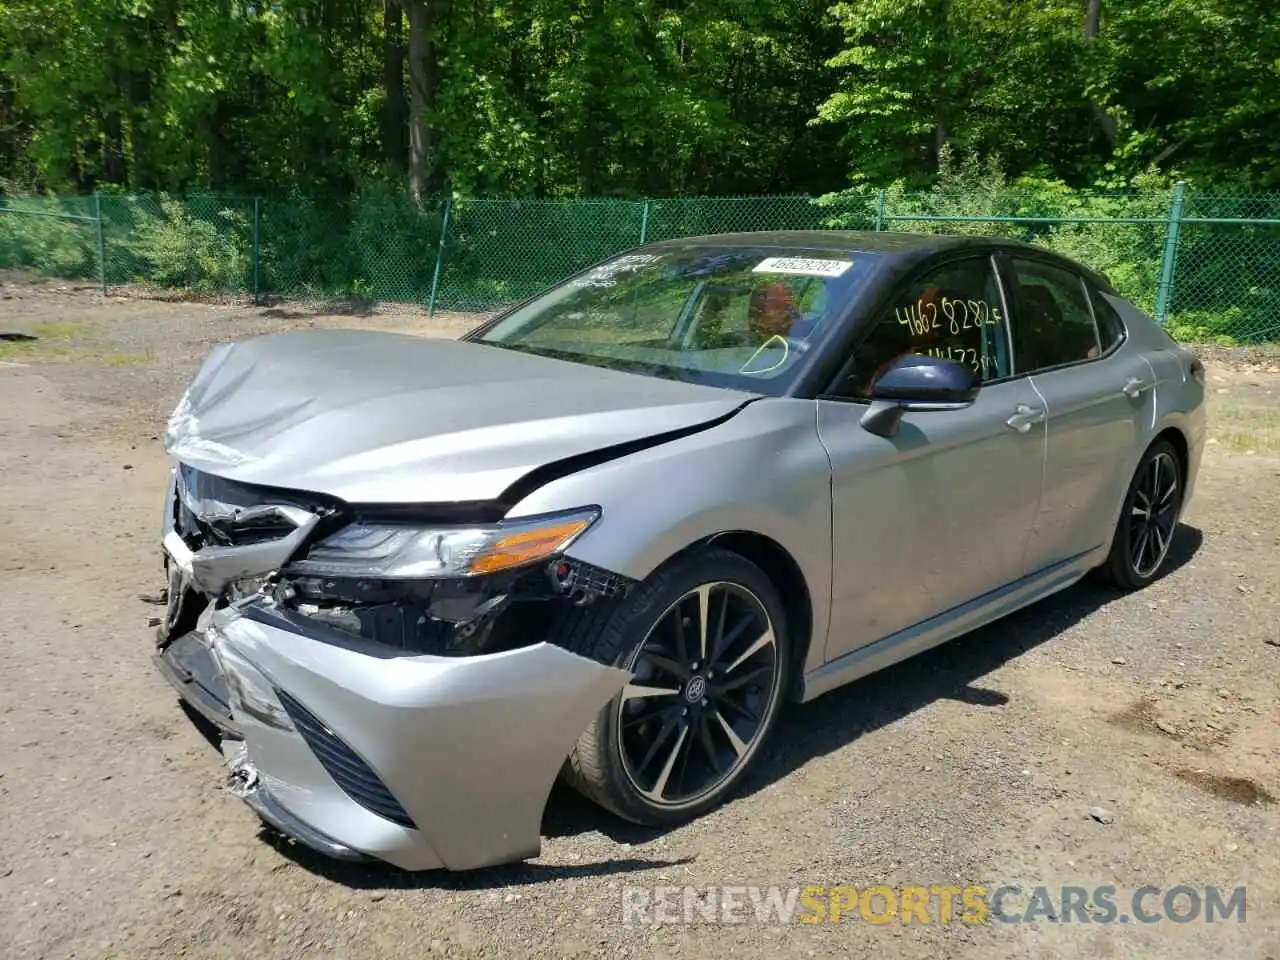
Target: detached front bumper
x,y
422,761
188,664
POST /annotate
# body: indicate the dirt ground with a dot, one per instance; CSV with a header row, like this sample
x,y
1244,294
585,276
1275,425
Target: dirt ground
x,y
977,763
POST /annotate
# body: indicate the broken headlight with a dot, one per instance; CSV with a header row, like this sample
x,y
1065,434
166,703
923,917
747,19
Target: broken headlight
x,y
439,589
390,551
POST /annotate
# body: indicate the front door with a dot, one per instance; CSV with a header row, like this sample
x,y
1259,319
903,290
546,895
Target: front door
x,y
938,514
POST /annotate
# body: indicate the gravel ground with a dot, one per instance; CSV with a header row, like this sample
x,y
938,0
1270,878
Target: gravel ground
x,y
978,763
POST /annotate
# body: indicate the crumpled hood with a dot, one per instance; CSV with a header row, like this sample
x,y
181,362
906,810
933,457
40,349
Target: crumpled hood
x,y
374,417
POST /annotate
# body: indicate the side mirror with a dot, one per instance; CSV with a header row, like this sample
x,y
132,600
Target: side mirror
x,y
918,383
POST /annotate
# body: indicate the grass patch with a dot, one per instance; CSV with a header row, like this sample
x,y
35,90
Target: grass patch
x,y
31,351
23,352
51,337
62,330
115,359
1243,426
1263,438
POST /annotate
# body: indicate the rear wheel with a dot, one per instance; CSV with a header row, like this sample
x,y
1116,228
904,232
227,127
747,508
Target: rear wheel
x,y
1148,520
706,642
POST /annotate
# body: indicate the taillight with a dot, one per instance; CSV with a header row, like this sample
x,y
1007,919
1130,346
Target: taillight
x,y
1197,369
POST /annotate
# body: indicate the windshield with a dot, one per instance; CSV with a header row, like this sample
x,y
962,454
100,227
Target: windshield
x,y
740,317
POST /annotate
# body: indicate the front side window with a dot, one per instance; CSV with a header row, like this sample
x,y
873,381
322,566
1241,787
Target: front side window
x,y
954,312
1053,324
739,317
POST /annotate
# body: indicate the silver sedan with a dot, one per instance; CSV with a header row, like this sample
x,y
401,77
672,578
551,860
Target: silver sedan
x,y
610,533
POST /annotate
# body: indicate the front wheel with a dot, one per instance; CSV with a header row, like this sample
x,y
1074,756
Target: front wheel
x,y
705,639
1148,519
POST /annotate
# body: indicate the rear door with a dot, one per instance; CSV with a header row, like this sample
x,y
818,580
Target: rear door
x,y
1097,396
937,515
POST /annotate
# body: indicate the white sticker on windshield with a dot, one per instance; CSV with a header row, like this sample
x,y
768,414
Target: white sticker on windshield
x,y
802,266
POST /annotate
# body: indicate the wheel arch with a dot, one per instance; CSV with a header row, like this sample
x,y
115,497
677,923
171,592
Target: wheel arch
x,y
800,578
1181,446
785,573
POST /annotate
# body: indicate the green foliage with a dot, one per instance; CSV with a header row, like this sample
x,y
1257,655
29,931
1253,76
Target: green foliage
x,y
33,236
539,97
1181,85
393,243
303,245
570,98
1047,212
191,246
1192,84
1226,286
999,77
1225,327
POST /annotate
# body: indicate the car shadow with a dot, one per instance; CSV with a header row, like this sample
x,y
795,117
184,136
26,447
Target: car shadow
x,y
952,671
374,875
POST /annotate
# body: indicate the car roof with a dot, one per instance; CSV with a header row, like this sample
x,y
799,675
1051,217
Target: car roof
x,y
904,249
862,241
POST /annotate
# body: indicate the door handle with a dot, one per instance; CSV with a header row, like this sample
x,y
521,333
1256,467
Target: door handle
x,y
1024,416
1134,386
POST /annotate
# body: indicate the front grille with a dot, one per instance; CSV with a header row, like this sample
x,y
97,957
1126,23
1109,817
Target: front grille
x,y
348,771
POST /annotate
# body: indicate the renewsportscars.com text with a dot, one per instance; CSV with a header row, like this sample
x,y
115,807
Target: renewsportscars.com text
x,y
881,904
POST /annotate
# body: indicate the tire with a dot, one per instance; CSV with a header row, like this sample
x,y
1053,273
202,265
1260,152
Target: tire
x,y
653,759
1134,561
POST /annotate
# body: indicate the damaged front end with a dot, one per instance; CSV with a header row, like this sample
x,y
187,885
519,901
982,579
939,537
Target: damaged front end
x,y
387,685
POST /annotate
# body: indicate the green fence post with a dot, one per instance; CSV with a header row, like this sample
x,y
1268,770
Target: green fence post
x,y
257,248
435,280
644,223
1169,260
102,243
880,198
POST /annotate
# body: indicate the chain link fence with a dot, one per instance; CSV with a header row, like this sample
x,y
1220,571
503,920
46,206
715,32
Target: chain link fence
x,y
52,236
201,244
499,252
1227,277
1207,265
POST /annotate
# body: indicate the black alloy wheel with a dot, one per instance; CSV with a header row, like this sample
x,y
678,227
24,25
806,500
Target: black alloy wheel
x,y
705,641
705,680
1148,519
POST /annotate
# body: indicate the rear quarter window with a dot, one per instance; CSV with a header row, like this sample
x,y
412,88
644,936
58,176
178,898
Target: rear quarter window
x,y
1110,327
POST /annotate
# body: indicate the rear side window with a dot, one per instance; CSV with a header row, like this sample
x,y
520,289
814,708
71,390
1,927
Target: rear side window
x,y
1110,326
1053,324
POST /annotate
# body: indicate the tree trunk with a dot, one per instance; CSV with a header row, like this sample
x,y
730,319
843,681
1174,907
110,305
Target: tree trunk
x,y
395,112
113,163
141,162
1092,25
217,148
940,134
1092,18
424,172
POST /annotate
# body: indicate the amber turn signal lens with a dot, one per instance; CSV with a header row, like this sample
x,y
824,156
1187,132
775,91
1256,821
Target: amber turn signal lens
x,y
527,545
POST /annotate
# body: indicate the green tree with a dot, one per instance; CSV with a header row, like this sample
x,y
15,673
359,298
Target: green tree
x,y
1193,86
629,97
999,77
